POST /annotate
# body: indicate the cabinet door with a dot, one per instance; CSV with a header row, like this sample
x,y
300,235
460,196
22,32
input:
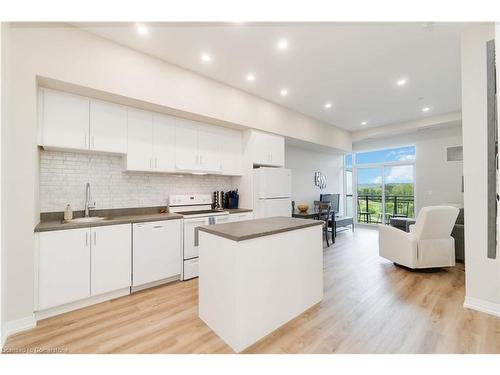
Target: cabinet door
x,y
277,150
209,143
63,267
108,127
186,145
163,143
157,251
230,143
140,140
110,266
65,120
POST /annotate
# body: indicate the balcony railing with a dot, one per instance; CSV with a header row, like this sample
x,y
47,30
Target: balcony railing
x,y
370,208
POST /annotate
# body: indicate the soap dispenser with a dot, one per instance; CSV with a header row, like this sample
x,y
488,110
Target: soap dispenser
x,y
68,213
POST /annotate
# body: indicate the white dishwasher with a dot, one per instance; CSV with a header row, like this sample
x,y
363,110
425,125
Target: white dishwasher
x,y
156,251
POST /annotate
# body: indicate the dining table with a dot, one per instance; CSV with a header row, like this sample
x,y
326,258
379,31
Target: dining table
x,y
314,214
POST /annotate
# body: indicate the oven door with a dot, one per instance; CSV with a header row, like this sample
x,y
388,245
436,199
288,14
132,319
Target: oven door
x,y
190,241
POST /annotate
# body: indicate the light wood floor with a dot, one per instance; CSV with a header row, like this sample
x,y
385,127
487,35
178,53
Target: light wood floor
x,y
370,306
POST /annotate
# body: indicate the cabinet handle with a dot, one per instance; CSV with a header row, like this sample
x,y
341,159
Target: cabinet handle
x,y
92,141
156,163
85,141
158,226
95,238
86,239
150,163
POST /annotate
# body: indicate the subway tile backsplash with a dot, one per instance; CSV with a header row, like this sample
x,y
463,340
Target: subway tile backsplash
x,y
63,176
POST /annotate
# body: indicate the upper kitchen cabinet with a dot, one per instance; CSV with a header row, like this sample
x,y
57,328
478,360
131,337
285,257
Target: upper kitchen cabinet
x,y
231,146
197,147
266,149
186,145
64,120
73,122
163,143
108,127
209,144
140,141
151,146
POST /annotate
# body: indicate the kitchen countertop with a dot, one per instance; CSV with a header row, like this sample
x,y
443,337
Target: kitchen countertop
x,y
50,225
246,230
53,221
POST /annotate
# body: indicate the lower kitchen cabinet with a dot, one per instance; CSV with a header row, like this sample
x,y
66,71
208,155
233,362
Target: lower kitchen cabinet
x,y
110,258
63,267
156,251
76,264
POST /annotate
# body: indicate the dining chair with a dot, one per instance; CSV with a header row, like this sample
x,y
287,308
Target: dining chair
x,y
324,212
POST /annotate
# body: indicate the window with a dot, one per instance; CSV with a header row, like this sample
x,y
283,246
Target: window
x,y
384,184
386,156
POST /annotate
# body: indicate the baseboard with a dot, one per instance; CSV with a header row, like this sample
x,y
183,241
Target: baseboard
x,y
16,326
482,305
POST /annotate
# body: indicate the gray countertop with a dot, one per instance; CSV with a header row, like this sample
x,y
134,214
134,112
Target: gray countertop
x,y
248,229
51,225
53,221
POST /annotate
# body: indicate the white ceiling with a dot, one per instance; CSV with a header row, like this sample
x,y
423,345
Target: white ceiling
x,y
355,66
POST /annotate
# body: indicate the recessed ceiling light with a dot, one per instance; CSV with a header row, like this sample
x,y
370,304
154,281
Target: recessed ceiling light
x,y
282,44
250,77
206,58
364,123
328,105
284,92
141,29
401,82
426,109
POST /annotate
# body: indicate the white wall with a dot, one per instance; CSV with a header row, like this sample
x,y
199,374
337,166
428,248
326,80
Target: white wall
x,y
437,181
304,162
85,60
482,275
63,176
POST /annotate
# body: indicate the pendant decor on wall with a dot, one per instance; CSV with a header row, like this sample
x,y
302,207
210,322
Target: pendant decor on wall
x,y
320,180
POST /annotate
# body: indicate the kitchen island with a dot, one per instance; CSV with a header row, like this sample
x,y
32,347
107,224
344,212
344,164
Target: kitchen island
x,y
256,275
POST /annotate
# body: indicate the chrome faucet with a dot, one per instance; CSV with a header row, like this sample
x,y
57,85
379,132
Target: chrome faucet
x,y
87,200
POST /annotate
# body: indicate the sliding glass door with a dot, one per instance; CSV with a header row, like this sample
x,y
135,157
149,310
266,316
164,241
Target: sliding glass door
x,y
384,184
399,190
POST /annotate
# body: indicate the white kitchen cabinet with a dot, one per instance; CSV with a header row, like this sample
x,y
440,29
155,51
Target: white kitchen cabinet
x,y
140,140
108,127
151,142
209,144
63,267
163,143
230,145
111,258
266,149
240,216
186,145
64,120
157,248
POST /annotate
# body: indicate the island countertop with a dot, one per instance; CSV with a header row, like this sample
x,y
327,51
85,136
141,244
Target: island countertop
x,y
246,230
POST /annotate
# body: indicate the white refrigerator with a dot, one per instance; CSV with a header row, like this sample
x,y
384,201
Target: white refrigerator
x,y
272,192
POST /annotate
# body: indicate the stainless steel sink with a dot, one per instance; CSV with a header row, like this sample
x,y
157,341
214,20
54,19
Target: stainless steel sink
x,y
91,219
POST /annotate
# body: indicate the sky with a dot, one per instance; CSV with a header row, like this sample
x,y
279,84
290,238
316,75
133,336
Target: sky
x,y
394,174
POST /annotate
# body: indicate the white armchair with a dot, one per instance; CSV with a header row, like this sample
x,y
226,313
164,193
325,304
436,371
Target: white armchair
x,y
429,243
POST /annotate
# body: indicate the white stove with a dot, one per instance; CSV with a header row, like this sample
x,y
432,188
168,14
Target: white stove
x,y
197,210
